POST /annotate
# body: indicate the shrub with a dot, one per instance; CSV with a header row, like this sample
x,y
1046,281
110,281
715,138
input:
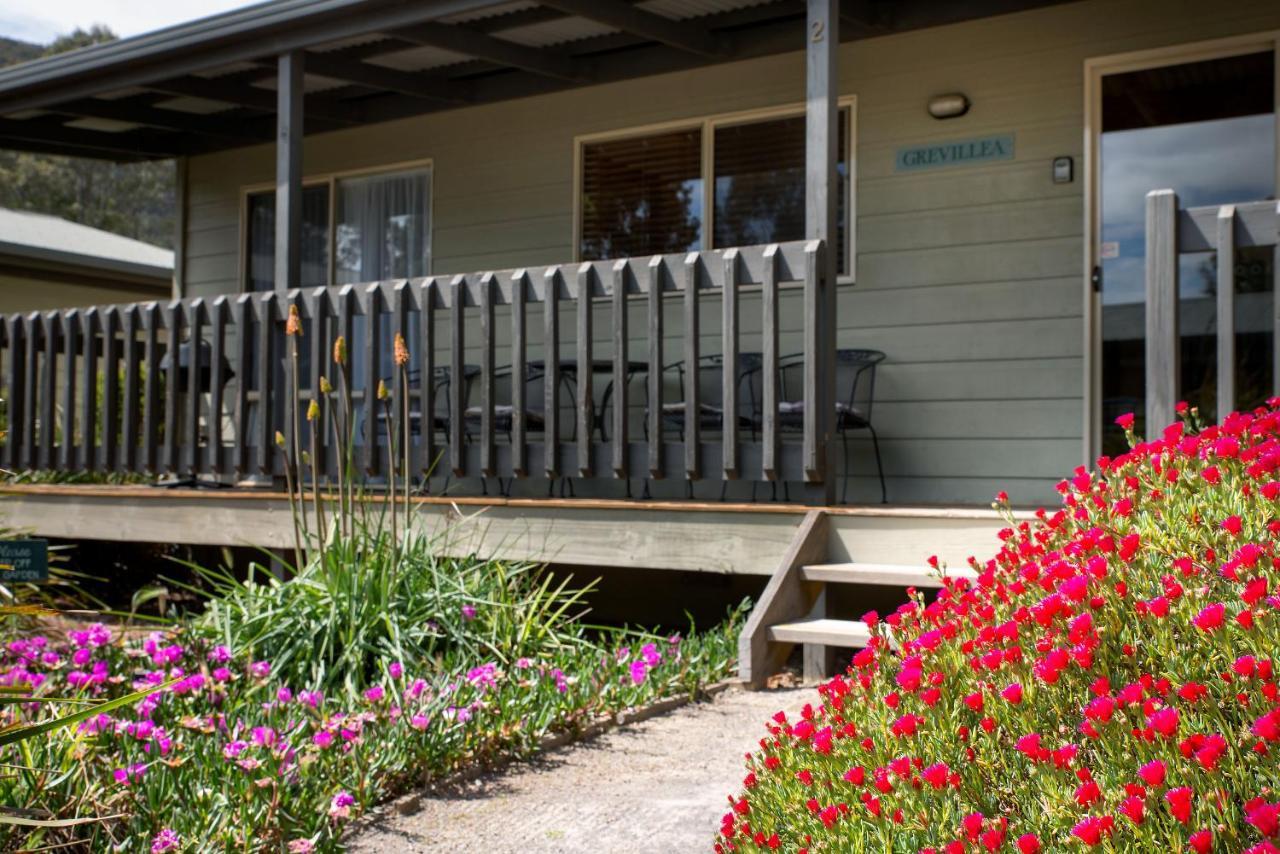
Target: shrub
x,y
1107,681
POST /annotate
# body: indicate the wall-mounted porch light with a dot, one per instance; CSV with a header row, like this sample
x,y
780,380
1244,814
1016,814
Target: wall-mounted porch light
x,y
949,106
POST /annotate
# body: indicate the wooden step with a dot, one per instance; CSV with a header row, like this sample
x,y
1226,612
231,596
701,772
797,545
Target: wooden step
x,y
879,573
850,633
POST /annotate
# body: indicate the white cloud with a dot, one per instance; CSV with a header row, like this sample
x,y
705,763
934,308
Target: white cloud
x,y
41,22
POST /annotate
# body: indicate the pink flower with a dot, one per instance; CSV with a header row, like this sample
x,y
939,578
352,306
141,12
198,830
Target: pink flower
x,y
468,612
395,670
1013,693
340,806
165,840
260,669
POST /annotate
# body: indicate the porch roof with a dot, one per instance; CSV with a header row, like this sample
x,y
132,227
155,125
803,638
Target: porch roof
x,y
210,84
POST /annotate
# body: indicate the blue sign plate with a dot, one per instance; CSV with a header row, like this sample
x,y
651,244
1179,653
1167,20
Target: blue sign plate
x,y
961,152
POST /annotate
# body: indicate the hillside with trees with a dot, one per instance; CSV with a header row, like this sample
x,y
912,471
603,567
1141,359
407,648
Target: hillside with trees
x,y
133,199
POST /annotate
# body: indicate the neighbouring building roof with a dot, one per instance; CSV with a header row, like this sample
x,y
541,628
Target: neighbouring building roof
x,y
50,240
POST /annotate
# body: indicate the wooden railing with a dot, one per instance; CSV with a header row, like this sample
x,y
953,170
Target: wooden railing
x,y
1171,232
203,385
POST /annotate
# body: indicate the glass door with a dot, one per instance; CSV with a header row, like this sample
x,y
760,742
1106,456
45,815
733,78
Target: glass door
x,y
1207,130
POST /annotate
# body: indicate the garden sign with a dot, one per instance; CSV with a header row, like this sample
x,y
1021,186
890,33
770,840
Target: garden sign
x,y
24,560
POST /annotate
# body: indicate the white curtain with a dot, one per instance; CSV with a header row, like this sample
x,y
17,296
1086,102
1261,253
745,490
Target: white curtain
x,y
382,227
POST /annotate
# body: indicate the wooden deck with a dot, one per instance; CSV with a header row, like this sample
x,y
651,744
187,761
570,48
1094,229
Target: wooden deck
x,y
681,535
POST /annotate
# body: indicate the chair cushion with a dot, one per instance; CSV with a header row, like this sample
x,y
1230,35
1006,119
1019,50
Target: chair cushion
x,y
791,414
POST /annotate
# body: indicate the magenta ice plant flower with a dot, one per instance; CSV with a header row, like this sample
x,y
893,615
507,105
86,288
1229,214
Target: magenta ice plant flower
x,y
165,840
340,806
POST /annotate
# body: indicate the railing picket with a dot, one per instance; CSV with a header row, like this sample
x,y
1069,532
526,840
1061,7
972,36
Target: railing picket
x,y
128,458
17,421
346,327
89,389
729,379
265,310
151,384
423,460
110,386
173,350
693,373
519,343
371,304
1226,299
487,367
770,379
315,302
401,302
190,454
241,361
30,386
217,378
621,369
48,388
655,271
551,372
70,330
586,397
815,358
457,374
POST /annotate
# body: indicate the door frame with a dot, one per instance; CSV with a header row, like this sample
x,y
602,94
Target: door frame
x,y
1095,68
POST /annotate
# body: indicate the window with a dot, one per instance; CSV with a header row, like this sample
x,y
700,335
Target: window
x,y
260,272
646,194
381,229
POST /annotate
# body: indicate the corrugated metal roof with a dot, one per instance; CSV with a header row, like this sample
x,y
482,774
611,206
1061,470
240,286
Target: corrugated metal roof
x,y
49,238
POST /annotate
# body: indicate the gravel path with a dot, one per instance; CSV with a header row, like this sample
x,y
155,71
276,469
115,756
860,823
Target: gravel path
x,y
654,786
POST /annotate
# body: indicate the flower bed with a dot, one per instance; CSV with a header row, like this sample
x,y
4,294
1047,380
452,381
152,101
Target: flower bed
x,y
1106,682
230,757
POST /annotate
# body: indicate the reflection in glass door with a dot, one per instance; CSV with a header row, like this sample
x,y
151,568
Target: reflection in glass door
x,y
1206,130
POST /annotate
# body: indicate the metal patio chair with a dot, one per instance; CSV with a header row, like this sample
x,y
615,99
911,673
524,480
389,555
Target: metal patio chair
x,y
855,390
535,419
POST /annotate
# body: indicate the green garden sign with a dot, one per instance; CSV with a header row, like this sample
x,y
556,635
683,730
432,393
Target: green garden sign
x,y
24,560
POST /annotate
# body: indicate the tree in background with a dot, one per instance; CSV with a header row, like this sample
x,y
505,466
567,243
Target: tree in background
x,y
132,199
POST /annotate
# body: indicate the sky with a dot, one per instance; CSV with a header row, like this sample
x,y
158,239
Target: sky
x,y
40,22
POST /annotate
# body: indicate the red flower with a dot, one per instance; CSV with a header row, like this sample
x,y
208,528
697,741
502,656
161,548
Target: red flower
x,y
1013,693
1125,421
1164,721
1201,841
1210,617
1028,843
1179,801
1152,773
1231,525
1134,809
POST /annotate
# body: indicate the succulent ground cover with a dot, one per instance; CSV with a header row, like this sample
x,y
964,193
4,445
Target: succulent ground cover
x,y
234,757
1108,682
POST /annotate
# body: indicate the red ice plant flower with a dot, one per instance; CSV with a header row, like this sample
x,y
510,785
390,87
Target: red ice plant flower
x,y
1104,680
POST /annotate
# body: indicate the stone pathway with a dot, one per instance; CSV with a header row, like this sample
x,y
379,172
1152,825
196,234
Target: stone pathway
x,y
654,786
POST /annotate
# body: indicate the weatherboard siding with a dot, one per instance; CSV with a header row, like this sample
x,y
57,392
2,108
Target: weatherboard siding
x,y
968,276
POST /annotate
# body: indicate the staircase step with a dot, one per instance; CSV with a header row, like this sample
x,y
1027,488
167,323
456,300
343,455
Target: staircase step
x,y
850,633
879,573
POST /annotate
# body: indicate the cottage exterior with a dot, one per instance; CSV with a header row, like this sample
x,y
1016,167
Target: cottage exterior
x,y
976,174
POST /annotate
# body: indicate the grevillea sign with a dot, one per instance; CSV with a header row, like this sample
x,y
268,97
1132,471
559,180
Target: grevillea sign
x,y
935,155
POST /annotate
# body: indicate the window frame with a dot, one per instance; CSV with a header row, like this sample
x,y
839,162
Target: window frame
x,y
708,124
330,180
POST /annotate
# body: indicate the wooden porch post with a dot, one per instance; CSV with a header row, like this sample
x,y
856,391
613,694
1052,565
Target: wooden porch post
x,y
821,135
288,272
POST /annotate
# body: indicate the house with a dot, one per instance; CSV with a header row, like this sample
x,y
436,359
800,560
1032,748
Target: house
x,y
49,263
568,204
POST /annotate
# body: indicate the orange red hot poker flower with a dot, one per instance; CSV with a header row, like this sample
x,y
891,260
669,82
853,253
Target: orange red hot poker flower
x,y
1107,681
